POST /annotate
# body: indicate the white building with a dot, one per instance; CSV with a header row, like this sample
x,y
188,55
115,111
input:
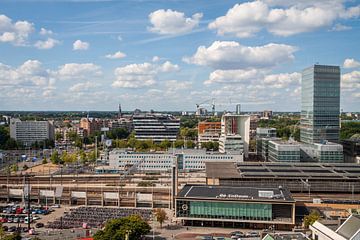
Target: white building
x,y
349,230
29,132
188,159
323,152
233,127
284,151
231,144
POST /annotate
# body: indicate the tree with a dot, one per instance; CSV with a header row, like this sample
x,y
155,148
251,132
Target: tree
x,y
117,229
83,156
14,236
311,218
179,143
44,161
55,158
190,144
2,231
91,156
15,168
58,136
160,216
165,144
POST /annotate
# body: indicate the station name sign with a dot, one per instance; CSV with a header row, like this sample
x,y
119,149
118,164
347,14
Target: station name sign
x,y
238,196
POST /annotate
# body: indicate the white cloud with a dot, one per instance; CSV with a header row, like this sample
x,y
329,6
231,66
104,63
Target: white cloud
x,y
232,55
16,33
156,59
175,85
339,27
351,81
140,75
169,67
117,55
80,45
47,44
282,80
351,63
77,71
233,76
172,22
44,32
85,86
247,19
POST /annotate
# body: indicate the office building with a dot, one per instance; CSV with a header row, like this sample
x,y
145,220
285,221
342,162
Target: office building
x,y
235,206
265,132
254,123
208,132
29,132
284,151
155,126
320,104
262,147
89,126
322,152
185,159
235,130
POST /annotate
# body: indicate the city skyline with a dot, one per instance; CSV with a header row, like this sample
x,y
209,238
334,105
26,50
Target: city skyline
x,y
162,55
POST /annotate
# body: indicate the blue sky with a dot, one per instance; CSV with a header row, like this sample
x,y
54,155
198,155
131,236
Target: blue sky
x,y
170,55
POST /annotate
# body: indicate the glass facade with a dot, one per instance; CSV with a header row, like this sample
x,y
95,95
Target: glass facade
x,y
320,104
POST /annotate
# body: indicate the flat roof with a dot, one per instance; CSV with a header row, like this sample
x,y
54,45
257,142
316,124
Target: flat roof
x,y
235,193
231,170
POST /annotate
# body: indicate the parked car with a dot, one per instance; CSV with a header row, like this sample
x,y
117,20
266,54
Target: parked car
x,y
12,229
253,234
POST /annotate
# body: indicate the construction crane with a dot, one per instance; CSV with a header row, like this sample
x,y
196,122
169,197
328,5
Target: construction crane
x,y
208,102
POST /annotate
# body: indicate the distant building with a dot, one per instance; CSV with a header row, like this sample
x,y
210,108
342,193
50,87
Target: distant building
x,y
235,129
349,230
201,112
124,123
322,152
254,123
29,132
90,125
265,132
351,150
320,104
186,160
155,126
284,151
208,132
238,109
267,114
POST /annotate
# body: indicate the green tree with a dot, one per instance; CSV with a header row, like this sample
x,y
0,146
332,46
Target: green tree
x,y
15,168
55,158
179,143
14,236
190,144
58,136
91,156
83,156
165,144
2,231
44,161
311,218
160,216
118,229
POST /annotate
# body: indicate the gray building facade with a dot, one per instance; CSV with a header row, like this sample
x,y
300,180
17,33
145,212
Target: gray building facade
x,y
320,104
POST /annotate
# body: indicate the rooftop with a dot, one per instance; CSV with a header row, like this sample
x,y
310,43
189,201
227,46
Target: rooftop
x,y
229,170
286,236
235,193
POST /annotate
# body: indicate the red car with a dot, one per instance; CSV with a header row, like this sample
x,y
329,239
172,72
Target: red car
x,y
3,220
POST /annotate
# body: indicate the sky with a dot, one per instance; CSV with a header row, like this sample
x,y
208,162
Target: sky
x,y
173,54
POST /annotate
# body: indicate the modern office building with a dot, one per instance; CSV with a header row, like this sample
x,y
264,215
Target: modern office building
x,y
156,127
29,132
231,144
262,147
208,132
284,151
265,132
322,152
185,159
234,206
235,129
320,104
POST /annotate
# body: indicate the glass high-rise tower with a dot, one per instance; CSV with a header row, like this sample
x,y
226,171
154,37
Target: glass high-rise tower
x,y
320,104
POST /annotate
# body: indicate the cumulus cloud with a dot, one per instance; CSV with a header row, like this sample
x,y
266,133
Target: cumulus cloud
x,y
44,31
80,45
232,55
117,55
140,75
156,58
172,22
47,44
246,19
351,81
351,63
16,33
78,71
85,86
282,80
233,76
